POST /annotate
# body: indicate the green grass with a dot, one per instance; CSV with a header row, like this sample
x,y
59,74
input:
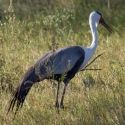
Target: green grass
x,y
92,97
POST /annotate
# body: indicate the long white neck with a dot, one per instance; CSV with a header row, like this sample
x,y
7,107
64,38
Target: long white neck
x,y
89,52
94,44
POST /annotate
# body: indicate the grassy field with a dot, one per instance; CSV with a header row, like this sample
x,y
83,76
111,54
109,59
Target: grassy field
x,y
28,29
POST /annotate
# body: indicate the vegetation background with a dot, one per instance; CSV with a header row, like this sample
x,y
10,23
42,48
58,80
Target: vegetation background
x,y
29,28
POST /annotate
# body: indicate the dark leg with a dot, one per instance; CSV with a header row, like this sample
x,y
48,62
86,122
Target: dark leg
x,y
69,76
57,94
63,94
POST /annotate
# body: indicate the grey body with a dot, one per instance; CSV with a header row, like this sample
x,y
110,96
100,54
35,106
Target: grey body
x,y
53,64
59,61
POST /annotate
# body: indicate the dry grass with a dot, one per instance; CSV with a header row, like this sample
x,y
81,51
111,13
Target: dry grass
x,y
92,97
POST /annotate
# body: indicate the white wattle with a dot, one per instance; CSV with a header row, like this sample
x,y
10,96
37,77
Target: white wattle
x,y
89,52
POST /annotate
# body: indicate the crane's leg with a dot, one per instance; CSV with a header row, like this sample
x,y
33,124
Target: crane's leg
x,y
57,94
63,94
70,75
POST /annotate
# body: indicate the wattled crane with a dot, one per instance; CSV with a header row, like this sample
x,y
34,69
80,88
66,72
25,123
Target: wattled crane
x,y
54,64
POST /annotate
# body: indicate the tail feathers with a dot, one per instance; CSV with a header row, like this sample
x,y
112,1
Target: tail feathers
x,y
20,95
22,90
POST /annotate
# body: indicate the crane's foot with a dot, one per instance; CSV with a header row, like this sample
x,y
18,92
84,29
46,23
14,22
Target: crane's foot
x,y
62,106
57,105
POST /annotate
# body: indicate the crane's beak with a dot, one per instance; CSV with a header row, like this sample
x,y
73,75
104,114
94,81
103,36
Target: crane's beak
x,y
105,24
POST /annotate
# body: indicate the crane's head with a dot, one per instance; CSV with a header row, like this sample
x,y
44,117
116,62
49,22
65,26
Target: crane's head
x,y
97,17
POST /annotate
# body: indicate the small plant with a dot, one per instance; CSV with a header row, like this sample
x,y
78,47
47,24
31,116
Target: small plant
x,y
60,21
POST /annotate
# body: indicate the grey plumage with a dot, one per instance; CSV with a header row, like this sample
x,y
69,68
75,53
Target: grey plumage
x,y
51,65
59,61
